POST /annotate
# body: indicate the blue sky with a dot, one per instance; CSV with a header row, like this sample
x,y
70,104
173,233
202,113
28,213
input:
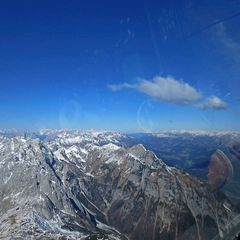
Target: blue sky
x,y
120,65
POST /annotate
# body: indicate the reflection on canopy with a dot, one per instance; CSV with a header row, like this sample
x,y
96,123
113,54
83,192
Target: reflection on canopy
x,y
220,170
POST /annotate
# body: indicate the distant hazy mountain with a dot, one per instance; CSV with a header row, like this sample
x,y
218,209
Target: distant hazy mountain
x,y
101,185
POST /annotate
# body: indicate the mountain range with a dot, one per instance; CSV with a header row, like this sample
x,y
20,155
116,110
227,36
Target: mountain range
x,y
72,184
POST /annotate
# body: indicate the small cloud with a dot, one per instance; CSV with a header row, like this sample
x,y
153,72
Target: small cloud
x,y
118,87
213,102
169,90
164,89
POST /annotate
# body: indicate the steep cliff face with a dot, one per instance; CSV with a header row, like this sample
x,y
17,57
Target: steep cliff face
x,y
87,185
35,200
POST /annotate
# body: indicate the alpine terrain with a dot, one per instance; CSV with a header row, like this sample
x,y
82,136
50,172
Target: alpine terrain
x,y
62,184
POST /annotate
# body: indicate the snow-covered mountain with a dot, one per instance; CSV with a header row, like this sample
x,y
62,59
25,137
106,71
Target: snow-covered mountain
x,y
92,185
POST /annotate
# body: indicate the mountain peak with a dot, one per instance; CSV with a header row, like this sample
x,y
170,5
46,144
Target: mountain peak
x,y
76,184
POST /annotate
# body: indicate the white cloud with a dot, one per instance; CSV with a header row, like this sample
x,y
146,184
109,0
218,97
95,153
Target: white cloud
x,y
117,87
213,102
164,89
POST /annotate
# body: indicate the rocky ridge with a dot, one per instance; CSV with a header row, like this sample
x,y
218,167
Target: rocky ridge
x,y
89,185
